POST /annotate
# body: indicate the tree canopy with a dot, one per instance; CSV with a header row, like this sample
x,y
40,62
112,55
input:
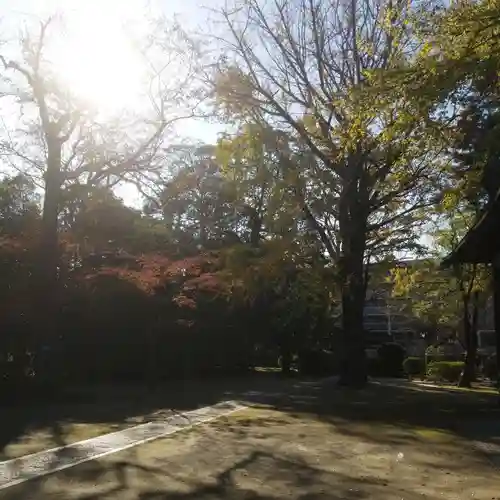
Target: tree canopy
x,y
354,134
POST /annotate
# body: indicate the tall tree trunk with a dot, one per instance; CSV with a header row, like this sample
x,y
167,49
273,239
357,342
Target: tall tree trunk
x,y
470,332
496,309
286,358
352,230
49,244
47,269
353,369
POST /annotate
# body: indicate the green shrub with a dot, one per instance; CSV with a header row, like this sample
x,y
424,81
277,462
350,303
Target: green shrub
x,y
448,371
390,359
414,366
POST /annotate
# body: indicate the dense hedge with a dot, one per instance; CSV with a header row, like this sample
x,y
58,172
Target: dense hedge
x,y
448,371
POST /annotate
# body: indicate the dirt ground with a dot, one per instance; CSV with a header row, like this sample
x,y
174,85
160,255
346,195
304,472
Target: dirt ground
x,y
293,447
31,428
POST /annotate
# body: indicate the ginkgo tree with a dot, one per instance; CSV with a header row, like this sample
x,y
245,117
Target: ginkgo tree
x,y
359,166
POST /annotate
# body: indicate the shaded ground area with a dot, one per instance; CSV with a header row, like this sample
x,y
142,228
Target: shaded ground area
x,y
88,413
391,441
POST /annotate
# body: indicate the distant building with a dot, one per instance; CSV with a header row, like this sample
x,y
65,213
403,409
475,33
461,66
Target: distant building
x,y
383,322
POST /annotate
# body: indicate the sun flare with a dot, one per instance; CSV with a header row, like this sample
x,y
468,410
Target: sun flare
x,y
96,56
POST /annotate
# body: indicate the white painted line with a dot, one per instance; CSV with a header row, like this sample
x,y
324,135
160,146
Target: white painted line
x,y
20,470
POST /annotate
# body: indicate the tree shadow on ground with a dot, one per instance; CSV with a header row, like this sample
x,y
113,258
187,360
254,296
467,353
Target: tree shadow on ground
x,y
399,413
384,407
297,475
382,413
110,408
298,480
392,403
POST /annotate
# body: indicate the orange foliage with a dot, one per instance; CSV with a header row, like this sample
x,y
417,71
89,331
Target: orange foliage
x,y
191,275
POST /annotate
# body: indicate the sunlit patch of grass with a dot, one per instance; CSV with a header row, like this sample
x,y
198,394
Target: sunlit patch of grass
x,y
476,390
433,434
472,390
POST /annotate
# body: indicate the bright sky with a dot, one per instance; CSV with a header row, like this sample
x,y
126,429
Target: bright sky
x,y
96,54
96,49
